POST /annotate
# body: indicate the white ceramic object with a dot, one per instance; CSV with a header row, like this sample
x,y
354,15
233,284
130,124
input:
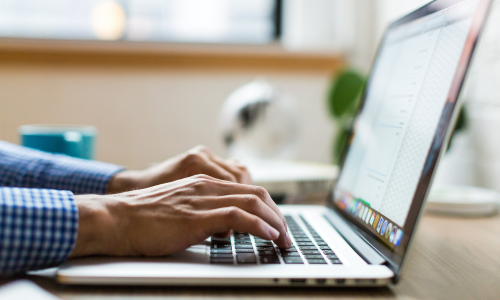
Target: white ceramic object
x,y
463,201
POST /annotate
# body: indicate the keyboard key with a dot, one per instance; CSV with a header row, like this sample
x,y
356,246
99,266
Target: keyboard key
x,y
243,246
308,248
302,240
293,260
328,251
246,258
258,240
305,243
325,248
286,254
321,243
240,242
242,239
221,246
241,236
310,252
216,240
317,261
221,251
288,250
300,236
269,260
265,248
221,261
313,256
332,256
336,262
261,253
221,255
268,244
244,251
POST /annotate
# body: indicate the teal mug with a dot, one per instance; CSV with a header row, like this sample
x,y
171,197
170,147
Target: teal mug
x,y
73,140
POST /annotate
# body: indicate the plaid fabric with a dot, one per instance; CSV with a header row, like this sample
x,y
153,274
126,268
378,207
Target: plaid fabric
x,y
38,228
39,222
24,167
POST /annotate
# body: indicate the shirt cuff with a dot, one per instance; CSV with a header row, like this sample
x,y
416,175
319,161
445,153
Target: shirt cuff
x,y
80,176
38,228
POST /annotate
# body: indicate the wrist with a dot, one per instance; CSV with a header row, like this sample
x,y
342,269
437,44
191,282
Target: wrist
x,y
95,227
124,181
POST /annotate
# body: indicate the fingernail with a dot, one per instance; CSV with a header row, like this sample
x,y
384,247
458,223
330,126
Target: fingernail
x,y
273,233
288,239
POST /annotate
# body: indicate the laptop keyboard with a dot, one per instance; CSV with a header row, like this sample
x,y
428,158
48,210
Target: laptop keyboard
x,y
242,248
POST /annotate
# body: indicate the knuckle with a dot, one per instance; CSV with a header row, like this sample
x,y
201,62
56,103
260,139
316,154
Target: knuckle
x,y
261,192
233,214
255,222
202,177
243,169
229,177
201,181
192,157
283,220
200,148
252,201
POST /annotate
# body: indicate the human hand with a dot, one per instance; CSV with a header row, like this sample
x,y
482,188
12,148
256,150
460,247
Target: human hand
x,y
199,160
167,218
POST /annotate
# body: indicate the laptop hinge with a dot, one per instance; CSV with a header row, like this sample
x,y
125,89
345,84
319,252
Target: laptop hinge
x,y
357,243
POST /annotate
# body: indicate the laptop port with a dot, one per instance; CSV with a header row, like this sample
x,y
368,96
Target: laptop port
x,y
340,281
366,281
321,281
298,281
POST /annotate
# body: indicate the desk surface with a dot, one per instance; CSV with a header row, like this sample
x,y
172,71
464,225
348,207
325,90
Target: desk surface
x,y
452,258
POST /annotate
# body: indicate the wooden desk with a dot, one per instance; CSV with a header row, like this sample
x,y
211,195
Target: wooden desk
x,y
452,258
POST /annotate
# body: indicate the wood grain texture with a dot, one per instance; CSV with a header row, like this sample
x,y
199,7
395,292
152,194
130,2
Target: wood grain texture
x,y
452,258
166,56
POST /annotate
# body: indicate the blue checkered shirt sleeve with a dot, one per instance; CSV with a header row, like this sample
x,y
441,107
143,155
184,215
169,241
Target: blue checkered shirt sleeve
x,y
38,215
38,228
24,167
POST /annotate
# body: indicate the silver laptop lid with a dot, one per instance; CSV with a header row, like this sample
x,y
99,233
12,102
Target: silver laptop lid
x,y
399,132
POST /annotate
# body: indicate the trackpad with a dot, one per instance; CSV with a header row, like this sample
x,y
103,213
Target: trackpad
x,y
195,255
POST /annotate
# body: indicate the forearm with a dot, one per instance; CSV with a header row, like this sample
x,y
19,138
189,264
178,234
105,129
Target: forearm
x,y
23,167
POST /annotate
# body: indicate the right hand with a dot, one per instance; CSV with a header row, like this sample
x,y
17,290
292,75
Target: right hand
x,y
167,218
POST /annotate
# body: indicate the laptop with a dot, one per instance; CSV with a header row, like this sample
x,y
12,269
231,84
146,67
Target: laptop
x,y
363,236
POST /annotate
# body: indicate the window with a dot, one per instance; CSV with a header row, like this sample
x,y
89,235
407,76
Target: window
x,y
197,21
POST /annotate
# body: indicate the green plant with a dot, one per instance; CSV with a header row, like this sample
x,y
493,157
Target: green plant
x,y
343,101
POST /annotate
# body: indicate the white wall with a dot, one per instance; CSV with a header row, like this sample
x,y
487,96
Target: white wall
x,y
145,115
483,104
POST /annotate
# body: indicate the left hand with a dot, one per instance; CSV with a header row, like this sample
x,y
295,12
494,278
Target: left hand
x,y
199,160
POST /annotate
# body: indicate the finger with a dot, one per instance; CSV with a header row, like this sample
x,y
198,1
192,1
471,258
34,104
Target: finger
x,y
208,167
251,204
240,172
227,218
237,169
221,188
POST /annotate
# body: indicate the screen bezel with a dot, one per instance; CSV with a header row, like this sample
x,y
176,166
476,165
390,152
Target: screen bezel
x,y
395,257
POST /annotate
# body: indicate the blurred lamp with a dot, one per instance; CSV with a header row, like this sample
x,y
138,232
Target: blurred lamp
x,y
258,121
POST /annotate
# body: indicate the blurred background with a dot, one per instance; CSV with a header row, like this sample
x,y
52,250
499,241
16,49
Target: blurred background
x,y
153,75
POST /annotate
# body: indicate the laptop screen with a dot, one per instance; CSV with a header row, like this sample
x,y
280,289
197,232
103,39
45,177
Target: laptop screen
x,y
407,107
